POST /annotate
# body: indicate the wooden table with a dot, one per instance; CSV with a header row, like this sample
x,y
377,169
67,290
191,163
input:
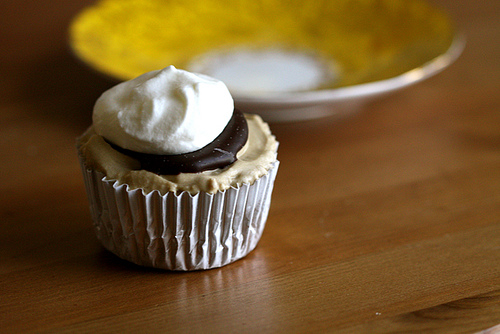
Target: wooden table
x,y
388,221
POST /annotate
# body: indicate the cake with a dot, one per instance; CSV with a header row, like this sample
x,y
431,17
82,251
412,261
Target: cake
x,y
176,177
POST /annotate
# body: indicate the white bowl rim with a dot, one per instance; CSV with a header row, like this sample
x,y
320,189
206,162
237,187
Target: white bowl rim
x,y
413,76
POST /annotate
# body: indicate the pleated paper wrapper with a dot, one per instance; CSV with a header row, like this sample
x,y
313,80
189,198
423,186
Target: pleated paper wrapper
x,y
178,231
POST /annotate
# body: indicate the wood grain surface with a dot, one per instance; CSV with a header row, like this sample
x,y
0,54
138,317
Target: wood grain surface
x,y
384,222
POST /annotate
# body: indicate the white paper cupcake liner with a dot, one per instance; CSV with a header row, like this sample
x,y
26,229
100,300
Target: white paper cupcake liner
x,y
178,231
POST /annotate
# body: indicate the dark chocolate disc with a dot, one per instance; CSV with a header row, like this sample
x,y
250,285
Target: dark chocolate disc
x,y
218,154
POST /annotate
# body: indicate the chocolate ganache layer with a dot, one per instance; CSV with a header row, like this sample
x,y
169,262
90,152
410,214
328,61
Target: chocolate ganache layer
x,y
218,154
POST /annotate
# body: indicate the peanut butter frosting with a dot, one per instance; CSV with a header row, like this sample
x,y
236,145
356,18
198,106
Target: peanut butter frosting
x,y
253,161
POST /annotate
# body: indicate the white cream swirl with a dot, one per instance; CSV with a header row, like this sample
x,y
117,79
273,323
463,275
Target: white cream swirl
x,y
168,111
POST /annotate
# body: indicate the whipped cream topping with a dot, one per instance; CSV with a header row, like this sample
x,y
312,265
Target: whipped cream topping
x,y
167,112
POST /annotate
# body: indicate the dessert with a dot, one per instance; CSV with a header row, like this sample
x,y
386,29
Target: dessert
x,y
176,177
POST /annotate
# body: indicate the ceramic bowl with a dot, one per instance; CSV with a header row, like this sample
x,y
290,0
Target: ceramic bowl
x,y
286,60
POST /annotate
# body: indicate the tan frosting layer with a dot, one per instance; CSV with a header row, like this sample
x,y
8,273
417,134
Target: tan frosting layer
x,y
254,160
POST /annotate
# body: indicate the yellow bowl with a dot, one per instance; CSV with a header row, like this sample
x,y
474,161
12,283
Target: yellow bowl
x,y
285,59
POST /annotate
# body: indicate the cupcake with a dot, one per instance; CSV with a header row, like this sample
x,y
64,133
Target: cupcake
x,y
176,177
